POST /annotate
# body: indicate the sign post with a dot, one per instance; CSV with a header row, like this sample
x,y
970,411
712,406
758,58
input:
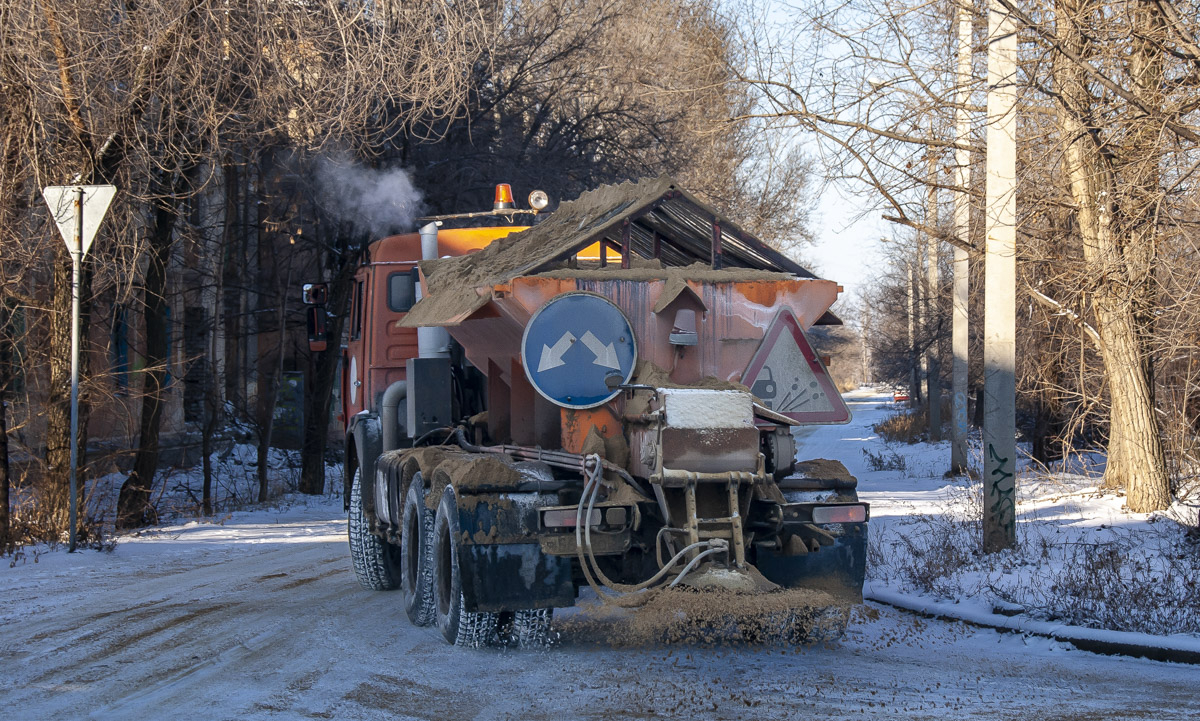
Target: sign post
x,y
77,210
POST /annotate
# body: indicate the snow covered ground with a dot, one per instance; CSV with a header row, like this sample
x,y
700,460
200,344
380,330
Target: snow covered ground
x,y
258,616
1081,558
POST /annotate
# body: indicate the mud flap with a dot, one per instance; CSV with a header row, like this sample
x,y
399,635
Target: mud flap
x,y
514,577
839,569
368,443
501,562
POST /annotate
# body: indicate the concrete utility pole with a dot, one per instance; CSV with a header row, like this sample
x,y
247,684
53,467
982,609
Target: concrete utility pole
x,y
933,365
914,386
962,228
999,322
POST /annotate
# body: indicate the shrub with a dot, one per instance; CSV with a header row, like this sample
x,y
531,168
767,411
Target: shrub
x,y
885,460
903,427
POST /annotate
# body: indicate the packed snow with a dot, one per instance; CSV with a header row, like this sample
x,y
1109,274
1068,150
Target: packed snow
x,y
255,614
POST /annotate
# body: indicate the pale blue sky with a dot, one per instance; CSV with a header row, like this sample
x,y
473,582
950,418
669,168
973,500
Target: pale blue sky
x,y
847,249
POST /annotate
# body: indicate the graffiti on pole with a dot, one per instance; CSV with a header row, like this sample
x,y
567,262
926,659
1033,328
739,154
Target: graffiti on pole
x,y
1001,516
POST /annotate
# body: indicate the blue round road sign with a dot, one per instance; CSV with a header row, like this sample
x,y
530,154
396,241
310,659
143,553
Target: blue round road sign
x,y
572,344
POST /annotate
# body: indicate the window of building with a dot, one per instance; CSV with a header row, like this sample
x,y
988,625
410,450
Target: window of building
x,y
356,312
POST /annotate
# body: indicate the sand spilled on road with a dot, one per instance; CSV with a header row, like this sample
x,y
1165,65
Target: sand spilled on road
x,y
710,617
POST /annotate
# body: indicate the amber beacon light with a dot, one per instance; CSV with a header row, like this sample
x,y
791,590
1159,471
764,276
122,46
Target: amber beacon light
x,y
504,197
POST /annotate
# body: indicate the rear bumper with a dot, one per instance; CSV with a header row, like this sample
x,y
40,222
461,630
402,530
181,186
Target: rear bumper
x,y
508,562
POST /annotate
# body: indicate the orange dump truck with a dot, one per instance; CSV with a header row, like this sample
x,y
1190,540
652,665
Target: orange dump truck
x,y
603,398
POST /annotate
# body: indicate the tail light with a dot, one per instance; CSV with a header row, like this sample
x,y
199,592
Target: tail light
x,y
847,513
504,197
565,518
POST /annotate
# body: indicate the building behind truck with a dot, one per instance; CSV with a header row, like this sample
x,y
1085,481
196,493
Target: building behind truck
x,y
603,399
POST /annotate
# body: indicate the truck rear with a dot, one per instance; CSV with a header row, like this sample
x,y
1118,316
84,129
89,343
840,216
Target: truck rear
x,y
602,399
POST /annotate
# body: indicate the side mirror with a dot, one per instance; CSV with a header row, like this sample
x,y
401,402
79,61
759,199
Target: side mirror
x,y
317,334
316,293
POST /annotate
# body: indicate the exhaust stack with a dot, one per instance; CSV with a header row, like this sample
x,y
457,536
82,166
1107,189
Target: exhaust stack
x,y
431,342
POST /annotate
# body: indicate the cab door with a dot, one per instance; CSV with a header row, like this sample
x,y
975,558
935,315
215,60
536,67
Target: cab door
x,y
354,361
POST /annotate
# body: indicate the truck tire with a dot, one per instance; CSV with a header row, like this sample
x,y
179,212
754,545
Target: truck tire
x,y
376,562
459,626
531,628
416,555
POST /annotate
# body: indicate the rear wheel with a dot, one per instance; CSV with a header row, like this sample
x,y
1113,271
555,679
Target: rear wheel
x,y
459,626
416,546
531,628
376,562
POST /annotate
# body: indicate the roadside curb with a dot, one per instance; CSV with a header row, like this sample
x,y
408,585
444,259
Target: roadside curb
x,y
1112,643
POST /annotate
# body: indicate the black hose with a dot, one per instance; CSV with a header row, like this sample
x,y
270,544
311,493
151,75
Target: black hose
x,y
464,443
424,436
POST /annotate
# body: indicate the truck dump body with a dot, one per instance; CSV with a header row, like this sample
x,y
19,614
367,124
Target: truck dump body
x,y
631,427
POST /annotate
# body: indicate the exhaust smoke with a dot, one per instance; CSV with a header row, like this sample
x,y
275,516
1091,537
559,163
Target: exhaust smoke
x,y
381,201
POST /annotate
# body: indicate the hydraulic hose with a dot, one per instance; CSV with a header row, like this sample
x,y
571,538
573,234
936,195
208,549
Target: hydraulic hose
x,y
583,542
692,563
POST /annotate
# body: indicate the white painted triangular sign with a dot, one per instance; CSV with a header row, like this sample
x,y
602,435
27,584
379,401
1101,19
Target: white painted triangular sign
x,y
62,199
788,377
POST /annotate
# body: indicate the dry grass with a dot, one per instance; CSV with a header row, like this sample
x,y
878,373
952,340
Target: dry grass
x,y
31,525
931,550
1143,580
912,426
903,427
1130,583
885,460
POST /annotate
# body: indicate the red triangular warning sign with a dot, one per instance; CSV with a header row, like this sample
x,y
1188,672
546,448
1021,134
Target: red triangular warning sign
x,y
788,377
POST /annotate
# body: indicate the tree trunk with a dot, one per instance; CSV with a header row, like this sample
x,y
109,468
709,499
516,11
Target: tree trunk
x,y
133,503
5,376
267,403
214,362
933,358
1136,458
319,399
914,380
9,157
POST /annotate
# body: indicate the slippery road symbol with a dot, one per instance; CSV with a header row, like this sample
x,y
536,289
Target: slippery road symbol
x,y
574,345
786,374
606,355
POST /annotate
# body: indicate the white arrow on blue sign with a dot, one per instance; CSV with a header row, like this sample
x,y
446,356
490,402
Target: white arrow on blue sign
x,y
572,346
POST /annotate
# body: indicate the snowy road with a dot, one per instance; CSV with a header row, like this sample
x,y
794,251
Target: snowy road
x,y
260,618
265,621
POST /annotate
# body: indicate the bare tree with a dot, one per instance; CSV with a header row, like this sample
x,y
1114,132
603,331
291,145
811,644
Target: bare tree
x,y
138,94
1108,139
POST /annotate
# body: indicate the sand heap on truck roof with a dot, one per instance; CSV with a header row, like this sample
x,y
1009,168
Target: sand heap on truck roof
x,y
660,218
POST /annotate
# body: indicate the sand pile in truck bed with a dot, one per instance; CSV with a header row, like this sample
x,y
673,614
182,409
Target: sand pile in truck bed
x,y
698,271
453,282
707,618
